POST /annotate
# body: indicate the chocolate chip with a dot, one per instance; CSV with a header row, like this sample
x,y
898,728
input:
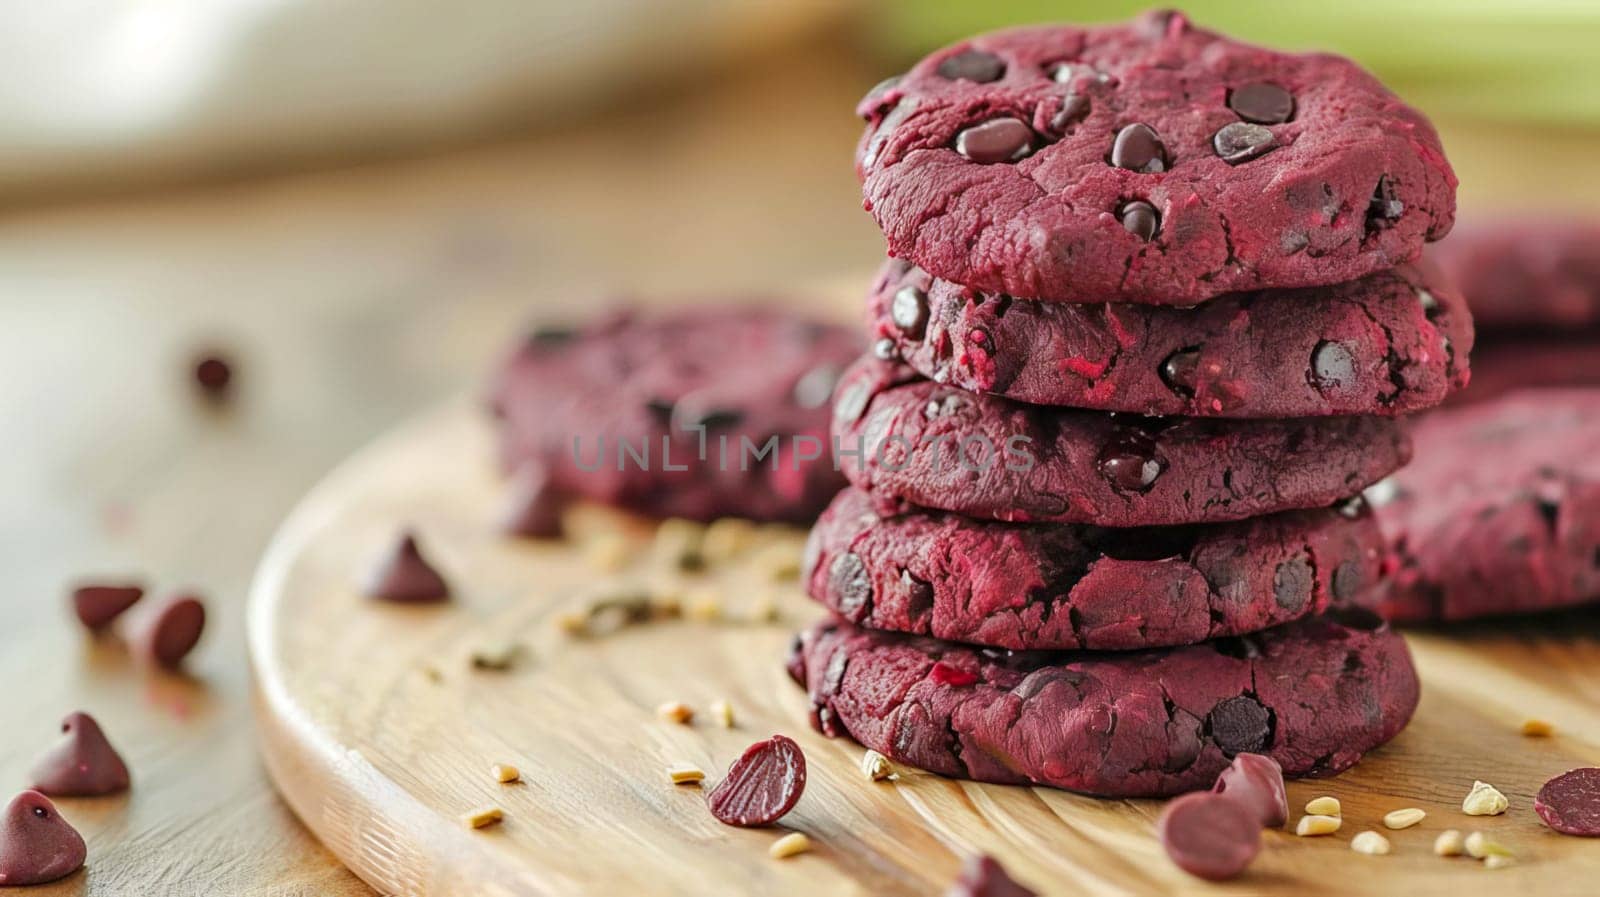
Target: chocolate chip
x,y
1074,108
1347,581
973,65
1140,219
1385,208
852,399
1293,583
1138,147
886,126
1256,782
1240,724
1430,304
996,140
1241,142
213,375
815,387
166,636
851,586
83,764
909,311
660,409
1262,103
886,349
534,505
1239,647
36,845
1209,835
983,876
872,103
1131,462
1180,371
1353,617
762,785
1332,366
405,576
97,605
1570,802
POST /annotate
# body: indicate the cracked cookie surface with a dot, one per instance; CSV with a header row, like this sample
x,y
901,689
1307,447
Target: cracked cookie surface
x,y
1391,343
1031,586
908,442
1149,162
1501,512
597,405
1314,695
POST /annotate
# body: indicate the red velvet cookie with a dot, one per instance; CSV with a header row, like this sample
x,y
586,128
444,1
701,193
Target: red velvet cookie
x,y
909,443
1033,586
1527,274
1314,695
1149,162
699,413
1390,343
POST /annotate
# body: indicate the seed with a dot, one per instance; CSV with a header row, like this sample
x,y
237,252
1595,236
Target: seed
x,y
483,817
498,656
1405,818
1480,845
1484,800
1370,843
1498,861
685,774
722,711
505,773
1537,728
608,553
1317,825
676,712
789,845
1323,806
876,766
1450,843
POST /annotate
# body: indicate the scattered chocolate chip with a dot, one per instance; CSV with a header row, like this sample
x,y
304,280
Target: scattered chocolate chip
x,y
1333,367
1347,581
848,579
762,785
996,140
815,387
1262,103
1074,108
97,605
1293,583
1140,219
533,505
1138,148
872,103
1570,802
1180,371
36,845
1385,208
973,65
1241,142
983,876
1131,462
405,576
213,375
886,349
909,311
1209,835
166,635
1256,781
1240,725
84,764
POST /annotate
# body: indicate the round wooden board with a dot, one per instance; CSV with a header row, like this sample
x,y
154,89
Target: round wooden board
x,y
380,734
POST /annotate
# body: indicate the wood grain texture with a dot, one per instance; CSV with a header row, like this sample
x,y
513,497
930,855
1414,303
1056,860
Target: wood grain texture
x,y
379,758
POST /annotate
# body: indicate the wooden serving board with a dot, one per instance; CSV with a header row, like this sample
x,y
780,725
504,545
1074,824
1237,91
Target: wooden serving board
x,y
380,734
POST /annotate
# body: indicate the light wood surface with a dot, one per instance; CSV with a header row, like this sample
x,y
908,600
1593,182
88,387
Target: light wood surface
x,y
379,757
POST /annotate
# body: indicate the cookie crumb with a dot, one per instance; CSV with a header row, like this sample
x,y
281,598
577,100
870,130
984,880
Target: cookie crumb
x,y
1484,800
1406,818
676,712
685,774
1370,843
1537,728
496,656
483,817
1315,824
789,845
1479,846
722,712
876,766
1323,806
505,773
1450,843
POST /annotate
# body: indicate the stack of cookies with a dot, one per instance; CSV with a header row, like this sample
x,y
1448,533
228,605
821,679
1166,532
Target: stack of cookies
x,y
1150,318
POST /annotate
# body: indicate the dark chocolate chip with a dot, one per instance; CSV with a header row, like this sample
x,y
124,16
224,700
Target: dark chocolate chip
x,y
909,311
996,140
1240,724
1333,366
661,410
872,103
983,876
762,785
1131,462
852,399
1074,108
166,636
1180,371
1241,142
1256,781
1293,583
405,576
717,419
1262,103
83,764
1209,835
534,505
1140,219
815,387
886,349
1239,647
880,137
37,846
1347,581
1353,617
852,587
973,65
1385,208
213,375
97,605
1138,148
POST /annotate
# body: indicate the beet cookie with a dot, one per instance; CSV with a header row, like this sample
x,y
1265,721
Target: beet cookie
x,y
909,442
1149,162
1029,586
1507,363
1390,343
1314,695
695,413
1501,512
1529,274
